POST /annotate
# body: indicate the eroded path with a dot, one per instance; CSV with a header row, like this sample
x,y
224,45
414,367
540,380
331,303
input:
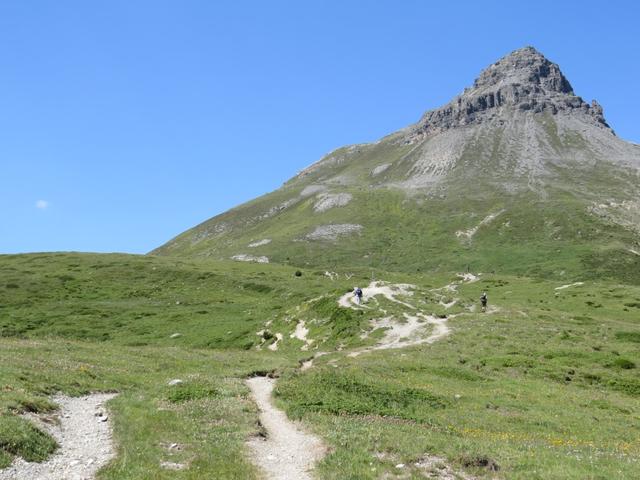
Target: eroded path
x,y
287,452
412,328
407,334
83,432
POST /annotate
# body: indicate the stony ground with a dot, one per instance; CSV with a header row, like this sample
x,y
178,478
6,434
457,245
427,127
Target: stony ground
x,y
287,451
83,431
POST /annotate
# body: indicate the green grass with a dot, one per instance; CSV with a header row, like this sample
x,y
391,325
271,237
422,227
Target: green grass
x,y
209,415
542,389
545,387
555,238
136,300
79,323
20,437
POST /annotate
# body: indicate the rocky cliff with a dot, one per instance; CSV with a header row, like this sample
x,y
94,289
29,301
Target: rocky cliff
x,y
523,80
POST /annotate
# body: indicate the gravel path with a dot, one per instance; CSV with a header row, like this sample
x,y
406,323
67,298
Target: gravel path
x,y
83,431
388,290
408,334
287,452
410,331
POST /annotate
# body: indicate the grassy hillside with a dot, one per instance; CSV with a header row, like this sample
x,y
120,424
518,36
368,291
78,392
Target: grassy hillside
x,y
554,238
545,386
76,323
530,196
136,300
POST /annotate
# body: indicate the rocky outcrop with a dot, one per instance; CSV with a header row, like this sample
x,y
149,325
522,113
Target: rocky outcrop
x,y
332,232
522,81
327,201
243,257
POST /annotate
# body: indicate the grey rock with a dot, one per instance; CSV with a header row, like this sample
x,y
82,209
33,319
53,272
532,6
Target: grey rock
x,y
332,232
327,201
172,466
259,243
524,81
243,257
380,169
85,444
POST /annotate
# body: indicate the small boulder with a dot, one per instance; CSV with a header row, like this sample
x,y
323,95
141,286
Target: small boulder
x,y
174,382
172,466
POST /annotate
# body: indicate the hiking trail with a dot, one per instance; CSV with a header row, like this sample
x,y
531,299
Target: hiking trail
x,y
410,330
287,451
82,429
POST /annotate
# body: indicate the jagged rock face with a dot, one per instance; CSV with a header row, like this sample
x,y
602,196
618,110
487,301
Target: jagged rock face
x,y
523,80
526,66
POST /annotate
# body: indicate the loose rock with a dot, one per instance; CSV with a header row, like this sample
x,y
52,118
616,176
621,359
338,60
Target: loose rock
x,y
85,438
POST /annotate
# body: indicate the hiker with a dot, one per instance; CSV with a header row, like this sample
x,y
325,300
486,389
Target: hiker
x,y
483,301
358,294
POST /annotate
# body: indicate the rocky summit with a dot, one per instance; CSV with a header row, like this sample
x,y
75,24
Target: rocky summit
x,y
523,80
518,173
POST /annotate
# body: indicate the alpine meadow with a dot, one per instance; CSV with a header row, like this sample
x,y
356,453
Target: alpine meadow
x,y
517,187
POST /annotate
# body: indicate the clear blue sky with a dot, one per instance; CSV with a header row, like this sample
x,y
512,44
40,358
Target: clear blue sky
x,y
123,123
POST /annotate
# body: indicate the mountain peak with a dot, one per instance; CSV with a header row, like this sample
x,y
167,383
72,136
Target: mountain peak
x,y
524,81
525,66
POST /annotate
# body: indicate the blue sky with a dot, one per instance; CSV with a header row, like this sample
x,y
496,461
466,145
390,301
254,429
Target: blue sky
x,y
123,123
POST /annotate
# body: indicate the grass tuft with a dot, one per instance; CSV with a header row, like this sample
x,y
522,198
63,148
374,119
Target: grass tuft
x,y
188,392
20,437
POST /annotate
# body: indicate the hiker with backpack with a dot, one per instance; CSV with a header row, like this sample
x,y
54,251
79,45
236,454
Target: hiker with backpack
x,y
357,292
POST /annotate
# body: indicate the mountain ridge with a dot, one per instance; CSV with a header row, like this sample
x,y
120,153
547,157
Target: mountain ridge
x,y
518,142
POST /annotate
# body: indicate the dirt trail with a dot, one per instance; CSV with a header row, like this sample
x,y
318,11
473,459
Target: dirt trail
x,y
387,290
408,334
411,330
84,434
287,452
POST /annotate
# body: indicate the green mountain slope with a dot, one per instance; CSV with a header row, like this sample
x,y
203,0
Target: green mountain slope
x,y
517,174
543,385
